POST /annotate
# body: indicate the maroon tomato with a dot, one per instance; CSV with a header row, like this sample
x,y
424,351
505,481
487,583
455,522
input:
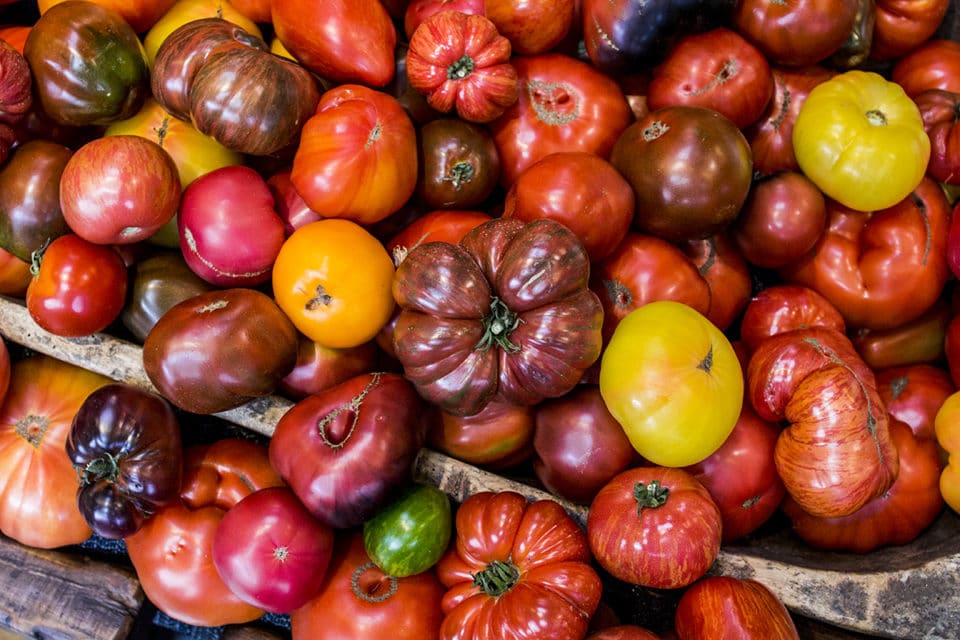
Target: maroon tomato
x,y
784,216
644,268
533,26
718,69
119,189
796,33
900,26
580,190
564,104
784,307
654,526
230,233
578,445
933,65
741,475
418,10
79,288
319,367
271,552
690,168
728,608
461,63
914,393
499,436
459,164
939,110
726,273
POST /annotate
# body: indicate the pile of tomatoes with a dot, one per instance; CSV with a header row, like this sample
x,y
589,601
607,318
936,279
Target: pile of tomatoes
x,y
689,264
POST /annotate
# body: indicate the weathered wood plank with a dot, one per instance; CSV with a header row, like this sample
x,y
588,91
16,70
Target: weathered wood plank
x,y
56,594
906,592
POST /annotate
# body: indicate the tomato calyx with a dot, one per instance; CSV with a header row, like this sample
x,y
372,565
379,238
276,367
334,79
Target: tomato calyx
x,y
460,173
461,68
105,467
36,257
497,578
497,327
650,495
707,363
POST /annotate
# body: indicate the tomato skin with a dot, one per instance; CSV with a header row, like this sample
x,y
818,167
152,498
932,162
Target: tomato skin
x,y
933,65
901,26
38,484
654,526
532,566
498,436
728,608
796,33
14,275
727,274
79,289
688,361
938,109
409,534
914,393
860,139
784,307
459,163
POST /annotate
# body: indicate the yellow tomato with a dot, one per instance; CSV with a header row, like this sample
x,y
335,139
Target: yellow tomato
x,y
946,425
139,14
672,380
184,11
860,139
333,279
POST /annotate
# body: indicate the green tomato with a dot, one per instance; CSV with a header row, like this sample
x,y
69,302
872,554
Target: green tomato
x,y
410,533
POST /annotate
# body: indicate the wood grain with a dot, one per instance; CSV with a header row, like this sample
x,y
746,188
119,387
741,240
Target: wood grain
x,y
909,592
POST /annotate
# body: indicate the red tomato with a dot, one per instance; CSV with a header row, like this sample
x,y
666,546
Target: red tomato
x,y
357,600
654,526
938,109
565,104
319,367
727,274
79,289
14,275
271,552
516,570
500,435
718,69
741,475
357,156
919,340
418,10
895,517
914,393
728,608
441,225
173,552
532,26
38,484
580,190
288,203
902,25
796,33
784,307
933,65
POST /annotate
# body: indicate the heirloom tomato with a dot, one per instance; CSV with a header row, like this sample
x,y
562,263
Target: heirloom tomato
x,y
78,287
14,275
783,307
357,155
416,11
939,109
728,275
534,26
729,608
410,533
688,363
919,340
900,26
460,63
38,484
333,278
173,552
319,367
946,426
141,14
447,225
914,393
184,11
933,65
498,436
517,570
459,164
507,313
860,138
359,600
796,33
654,526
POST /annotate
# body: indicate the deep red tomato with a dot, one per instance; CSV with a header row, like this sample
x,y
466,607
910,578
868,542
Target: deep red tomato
x,y
319,367
358,600
796,33
289,204
718,69
728,608
654,526
939,109
564,104
902,25
533,26
933,65
727,274
499,436
79,288
516,570
173,552
914,393
459,164
417,10
580,190
644,268
895,517
919,340
784,307
271,552
868,262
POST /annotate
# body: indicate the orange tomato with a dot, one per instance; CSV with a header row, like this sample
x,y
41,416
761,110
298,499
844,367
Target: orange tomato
x,y
946,424
333,280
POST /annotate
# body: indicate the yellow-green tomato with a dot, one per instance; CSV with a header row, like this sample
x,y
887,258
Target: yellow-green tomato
x,y
860,139
672,380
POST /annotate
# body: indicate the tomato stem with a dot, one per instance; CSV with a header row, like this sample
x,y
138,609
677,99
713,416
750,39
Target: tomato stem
x,y
461,68
497,578
497,327
105,467
651,495
876,117
461,173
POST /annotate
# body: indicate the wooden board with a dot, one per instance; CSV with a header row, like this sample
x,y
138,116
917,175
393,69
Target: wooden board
x,y
905,592
55,594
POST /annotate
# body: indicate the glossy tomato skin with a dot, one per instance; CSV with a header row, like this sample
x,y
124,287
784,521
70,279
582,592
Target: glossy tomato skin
x,y
531,562
270,551
38,503
938,110
319,367
358,600
249,345
345,450
727,274
901,26
173,552
460,165
654,526
798,33
708,163
410,534
125,444
914,393
784,307
564,104
916,341
141,14
446,225
947,429
498,436
933,65
14,275
79,289
729,608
